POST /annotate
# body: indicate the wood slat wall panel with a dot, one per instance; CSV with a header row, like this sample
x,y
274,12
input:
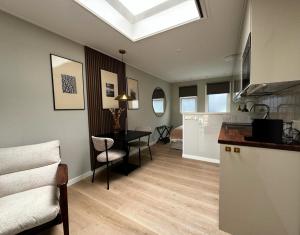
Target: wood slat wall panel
x,y
100,120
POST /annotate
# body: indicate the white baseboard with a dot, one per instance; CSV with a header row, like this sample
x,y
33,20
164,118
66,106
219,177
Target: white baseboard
x,y
79,178
89,173
205,159
82,177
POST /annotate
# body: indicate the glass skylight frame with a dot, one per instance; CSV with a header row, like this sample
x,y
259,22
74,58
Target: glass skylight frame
x,y
167,15
138,7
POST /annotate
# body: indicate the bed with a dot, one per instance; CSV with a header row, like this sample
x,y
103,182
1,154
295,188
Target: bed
x,y
176,138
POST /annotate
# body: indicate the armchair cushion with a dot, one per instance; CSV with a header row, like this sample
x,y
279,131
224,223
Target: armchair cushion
x,y
29,179
28,167
27,209
28,157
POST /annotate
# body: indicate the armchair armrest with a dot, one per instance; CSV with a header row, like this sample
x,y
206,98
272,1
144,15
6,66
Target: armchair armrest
x,y
61,181
62,175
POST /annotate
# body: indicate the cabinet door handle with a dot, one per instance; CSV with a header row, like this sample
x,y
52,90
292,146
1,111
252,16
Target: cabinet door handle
x,y
237,150
228,149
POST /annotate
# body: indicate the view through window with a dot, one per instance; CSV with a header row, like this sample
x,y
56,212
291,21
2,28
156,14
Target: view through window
x,y
188,104
158,105
217,103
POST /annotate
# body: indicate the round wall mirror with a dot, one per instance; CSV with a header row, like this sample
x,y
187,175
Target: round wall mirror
x,y
159,101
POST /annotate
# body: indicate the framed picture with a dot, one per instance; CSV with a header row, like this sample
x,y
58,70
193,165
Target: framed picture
x,y
67,81
109,88
133,91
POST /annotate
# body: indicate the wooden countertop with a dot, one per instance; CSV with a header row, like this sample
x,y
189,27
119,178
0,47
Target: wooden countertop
x,y
234,134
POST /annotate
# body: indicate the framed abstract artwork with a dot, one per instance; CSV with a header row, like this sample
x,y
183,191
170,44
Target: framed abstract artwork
x,y
67,81
109,89
133,91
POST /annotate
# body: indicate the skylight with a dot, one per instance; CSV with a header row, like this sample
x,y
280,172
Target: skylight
x,y
139,6
138,19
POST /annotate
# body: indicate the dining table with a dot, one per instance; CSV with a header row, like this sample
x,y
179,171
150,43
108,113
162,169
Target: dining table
x,y
121,141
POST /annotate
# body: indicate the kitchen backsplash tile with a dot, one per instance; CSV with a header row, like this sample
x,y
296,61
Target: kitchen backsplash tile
x,y
285,105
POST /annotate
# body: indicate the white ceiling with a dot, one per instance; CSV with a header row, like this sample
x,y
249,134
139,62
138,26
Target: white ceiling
x,y
193,51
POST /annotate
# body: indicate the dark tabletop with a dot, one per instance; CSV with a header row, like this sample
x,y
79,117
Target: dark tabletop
x,y
235,134
126,137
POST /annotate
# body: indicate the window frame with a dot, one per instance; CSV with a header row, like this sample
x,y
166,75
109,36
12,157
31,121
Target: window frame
x,y
189,97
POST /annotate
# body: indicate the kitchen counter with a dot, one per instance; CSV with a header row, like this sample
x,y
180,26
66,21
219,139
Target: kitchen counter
x,y
200,135
234,133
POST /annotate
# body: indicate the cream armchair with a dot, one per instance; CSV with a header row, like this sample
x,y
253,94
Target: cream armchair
x,y
33,189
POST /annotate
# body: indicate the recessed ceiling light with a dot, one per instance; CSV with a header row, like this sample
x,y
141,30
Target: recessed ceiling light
x,y
138,19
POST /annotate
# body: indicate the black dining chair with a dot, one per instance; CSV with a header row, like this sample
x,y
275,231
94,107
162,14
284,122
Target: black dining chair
x,y
106,155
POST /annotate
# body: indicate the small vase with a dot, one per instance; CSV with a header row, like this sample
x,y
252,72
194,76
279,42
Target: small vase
x,y
116,113
116,124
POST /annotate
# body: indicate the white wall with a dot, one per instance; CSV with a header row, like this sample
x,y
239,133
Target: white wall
x,y
145,116
27,115
26,103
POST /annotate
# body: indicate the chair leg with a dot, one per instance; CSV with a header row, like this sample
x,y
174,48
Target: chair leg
x,y
107,175
150,152
140,160
93,176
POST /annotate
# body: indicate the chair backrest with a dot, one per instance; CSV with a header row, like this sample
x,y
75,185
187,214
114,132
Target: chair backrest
x,y
145,128
28,167
99,143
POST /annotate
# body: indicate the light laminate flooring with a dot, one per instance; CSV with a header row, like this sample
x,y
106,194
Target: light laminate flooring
x,y
167,196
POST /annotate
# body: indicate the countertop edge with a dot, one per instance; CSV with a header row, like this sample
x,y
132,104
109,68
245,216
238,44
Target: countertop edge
x,y
239,141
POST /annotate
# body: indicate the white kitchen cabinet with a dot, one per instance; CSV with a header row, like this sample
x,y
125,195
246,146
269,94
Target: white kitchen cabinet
x,y
259,191
275,36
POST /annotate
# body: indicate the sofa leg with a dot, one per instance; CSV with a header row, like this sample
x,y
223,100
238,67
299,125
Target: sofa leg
x,y
64,208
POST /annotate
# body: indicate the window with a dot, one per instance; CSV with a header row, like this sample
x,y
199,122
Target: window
x,y
188,99
158,105
217,97
138,19
188,104
217,103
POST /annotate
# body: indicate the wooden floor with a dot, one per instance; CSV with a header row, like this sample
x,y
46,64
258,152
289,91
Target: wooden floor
x,y
166,196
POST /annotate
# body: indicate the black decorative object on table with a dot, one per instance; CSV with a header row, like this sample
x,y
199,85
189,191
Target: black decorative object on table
x,y
121,140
